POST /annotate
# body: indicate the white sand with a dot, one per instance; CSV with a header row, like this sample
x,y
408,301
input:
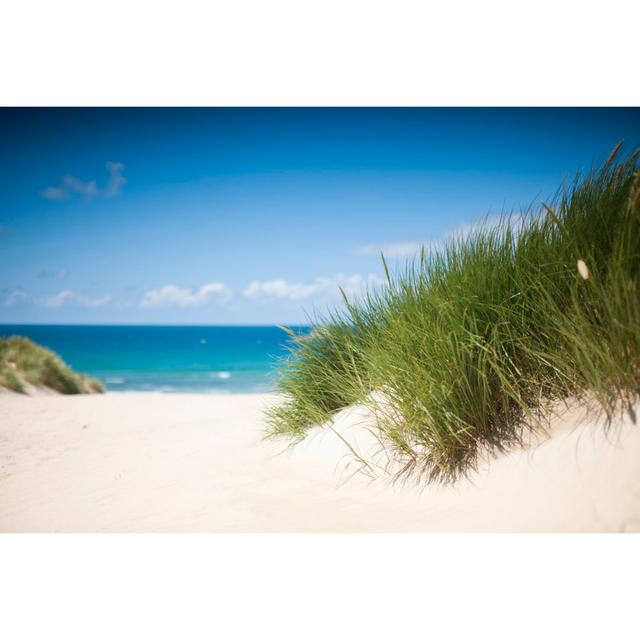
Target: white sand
x,y
153,462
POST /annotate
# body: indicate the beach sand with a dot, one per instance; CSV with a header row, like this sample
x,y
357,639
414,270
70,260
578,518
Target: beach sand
x,y
128,462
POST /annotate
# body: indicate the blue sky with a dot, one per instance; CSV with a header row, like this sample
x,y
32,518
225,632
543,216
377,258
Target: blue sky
x,y
252,216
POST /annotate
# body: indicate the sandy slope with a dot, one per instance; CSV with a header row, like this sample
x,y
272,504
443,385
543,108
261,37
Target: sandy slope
x,y
147,462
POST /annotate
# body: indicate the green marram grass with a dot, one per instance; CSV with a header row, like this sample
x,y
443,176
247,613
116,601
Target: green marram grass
x,y
22,361
467,348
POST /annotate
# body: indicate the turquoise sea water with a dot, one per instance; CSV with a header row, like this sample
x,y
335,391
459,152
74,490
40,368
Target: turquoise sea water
x,y
170,359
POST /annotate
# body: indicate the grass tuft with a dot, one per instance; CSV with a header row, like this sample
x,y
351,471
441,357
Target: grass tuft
x,y
467,348
22,361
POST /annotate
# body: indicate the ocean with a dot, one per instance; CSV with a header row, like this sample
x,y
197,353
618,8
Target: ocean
x,y
234,359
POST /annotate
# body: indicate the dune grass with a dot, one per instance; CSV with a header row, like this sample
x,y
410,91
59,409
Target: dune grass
x,y
467,348
23,361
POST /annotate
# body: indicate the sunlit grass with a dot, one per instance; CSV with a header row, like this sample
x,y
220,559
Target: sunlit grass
x,y
468,347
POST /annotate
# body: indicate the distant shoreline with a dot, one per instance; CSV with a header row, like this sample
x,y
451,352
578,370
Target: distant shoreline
x,y
118,324
181,358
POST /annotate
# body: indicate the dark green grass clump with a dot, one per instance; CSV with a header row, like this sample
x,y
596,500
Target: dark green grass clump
x,y
22,361
468,347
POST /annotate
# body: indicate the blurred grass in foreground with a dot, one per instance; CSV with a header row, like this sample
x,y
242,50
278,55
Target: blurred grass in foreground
x,y
23,361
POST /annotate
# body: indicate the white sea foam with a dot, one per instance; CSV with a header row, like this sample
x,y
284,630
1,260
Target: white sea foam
x,y
114,380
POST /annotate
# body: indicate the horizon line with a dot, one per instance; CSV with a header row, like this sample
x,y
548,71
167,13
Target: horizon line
x,y
124,324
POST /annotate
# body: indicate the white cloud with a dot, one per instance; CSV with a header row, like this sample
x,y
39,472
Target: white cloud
x,y
116,179
172,296
62,297
75,185
412,248
57,300
282,289
70,185
54,193
515,222
15,297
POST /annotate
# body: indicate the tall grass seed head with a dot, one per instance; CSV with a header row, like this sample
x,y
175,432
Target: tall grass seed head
x,y
583,270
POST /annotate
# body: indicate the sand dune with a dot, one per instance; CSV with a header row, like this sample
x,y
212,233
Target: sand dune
x,y
196,463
